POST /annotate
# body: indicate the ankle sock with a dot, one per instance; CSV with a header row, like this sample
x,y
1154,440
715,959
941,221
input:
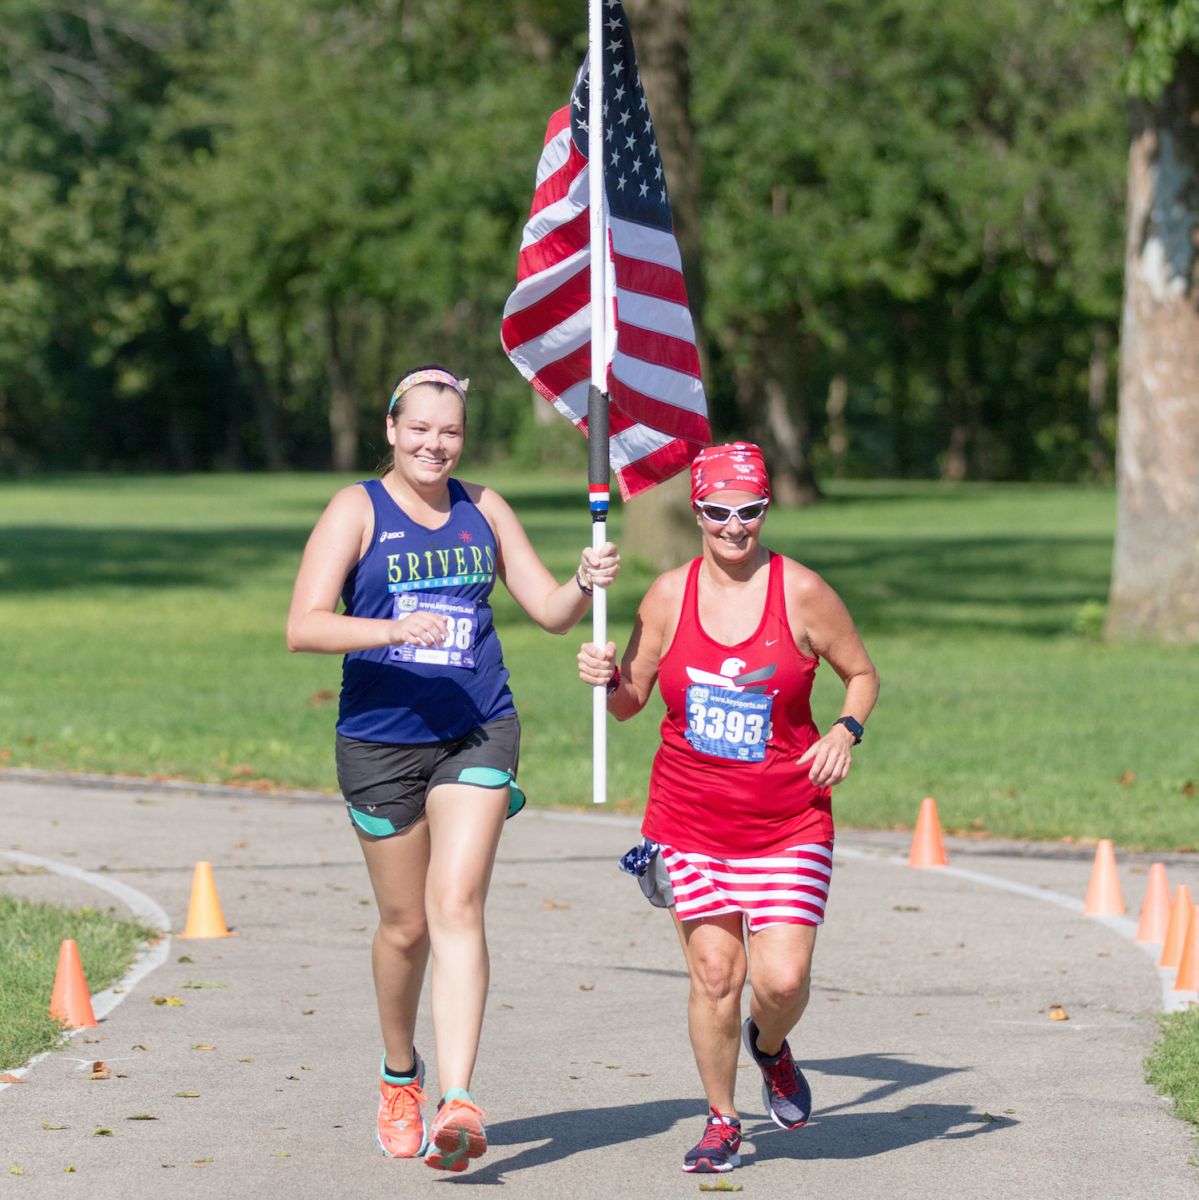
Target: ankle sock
x,y
392,1076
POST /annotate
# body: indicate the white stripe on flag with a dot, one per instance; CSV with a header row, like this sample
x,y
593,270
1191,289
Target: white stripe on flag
x,y
649,245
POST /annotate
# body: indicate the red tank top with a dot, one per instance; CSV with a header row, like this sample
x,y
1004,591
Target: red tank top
x,y
725,780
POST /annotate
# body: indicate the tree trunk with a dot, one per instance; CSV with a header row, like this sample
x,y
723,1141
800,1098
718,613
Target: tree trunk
x,y
265,415
8,447
1098,458
959,399
771,395
838,427
953,465
343,406
903,330
658,524
1155,575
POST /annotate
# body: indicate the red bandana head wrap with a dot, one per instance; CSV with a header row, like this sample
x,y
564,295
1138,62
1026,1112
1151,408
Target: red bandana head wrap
x,y
735,467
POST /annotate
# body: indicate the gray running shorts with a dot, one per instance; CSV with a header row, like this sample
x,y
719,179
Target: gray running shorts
x,y
385,786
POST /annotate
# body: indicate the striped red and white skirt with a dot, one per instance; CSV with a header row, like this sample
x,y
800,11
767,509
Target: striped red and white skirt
x,y
789,887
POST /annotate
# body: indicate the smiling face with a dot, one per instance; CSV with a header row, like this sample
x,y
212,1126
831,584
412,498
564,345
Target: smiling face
x,y
736,541
426,432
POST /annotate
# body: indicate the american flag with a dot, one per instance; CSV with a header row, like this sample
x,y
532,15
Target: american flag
x,y
658,413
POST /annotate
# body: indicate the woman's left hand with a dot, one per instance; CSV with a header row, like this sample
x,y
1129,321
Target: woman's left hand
x,y
599,568
830,757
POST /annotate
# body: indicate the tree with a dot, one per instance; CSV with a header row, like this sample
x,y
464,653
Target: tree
x,y
340,188
909,199
96,366
225,225
1155,575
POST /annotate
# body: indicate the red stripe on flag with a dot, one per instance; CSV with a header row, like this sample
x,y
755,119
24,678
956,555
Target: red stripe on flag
x,y
661,348
555,378
558,121
643,474
557,186
558,244
548,312
649,279
659,414
618,422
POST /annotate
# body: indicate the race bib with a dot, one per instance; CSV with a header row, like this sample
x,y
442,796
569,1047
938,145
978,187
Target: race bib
x,y
462,623
727,723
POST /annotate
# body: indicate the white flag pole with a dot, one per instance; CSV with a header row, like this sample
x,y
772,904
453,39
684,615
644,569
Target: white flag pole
x,y
597,403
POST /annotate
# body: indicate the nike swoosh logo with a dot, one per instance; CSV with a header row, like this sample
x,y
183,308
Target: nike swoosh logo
x,y
771,641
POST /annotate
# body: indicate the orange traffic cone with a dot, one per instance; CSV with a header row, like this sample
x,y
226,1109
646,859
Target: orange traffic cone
x,y
1104,897
1188,963
204,916
70,1001
1176,930
1155,908
927,847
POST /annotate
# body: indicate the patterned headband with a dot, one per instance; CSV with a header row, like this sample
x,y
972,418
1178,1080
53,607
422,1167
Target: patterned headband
x,y
735,466
429,376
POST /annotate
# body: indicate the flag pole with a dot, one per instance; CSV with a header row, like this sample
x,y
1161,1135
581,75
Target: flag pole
x,y
597,401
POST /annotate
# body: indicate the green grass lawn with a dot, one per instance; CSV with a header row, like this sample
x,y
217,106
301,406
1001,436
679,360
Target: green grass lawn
x,y
141,628
1173,1065
30,937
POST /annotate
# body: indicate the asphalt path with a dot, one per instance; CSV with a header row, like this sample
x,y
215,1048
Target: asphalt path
x,y
936,1068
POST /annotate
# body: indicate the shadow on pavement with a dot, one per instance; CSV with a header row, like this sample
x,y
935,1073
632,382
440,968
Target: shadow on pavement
x,y
562,1134
891,1071
834,1133
868,1134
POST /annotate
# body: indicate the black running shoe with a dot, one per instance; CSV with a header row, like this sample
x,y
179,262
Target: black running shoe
x,y
785,1092
716,1151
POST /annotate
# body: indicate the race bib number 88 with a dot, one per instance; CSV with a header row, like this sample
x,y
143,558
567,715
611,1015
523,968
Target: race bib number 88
x,y
728,724
461,620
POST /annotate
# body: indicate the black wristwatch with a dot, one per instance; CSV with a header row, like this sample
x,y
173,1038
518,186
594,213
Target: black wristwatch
x,y
854,727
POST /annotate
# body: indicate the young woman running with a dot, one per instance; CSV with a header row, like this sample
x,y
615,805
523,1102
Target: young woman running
x,y
427,734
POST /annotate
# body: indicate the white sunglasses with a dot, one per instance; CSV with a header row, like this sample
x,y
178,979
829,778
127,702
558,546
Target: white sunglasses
x,y
722,514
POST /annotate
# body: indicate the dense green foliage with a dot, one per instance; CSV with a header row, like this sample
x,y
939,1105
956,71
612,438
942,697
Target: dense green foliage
x,y
1160,31
220,220
157,606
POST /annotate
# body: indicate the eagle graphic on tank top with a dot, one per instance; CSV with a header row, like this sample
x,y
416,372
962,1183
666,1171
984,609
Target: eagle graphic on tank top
x,y
733,675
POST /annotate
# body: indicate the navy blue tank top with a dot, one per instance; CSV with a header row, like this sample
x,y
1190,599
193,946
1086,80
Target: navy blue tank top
x,y
405,695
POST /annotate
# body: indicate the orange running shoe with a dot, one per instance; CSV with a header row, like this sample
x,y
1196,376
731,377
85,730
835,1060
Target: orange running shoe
x,y
401,1132
458,1134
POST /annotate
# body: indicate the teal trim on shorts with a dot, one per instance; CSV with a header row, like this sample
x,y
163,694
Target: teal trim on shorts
x,y
375,826
488,777
493,777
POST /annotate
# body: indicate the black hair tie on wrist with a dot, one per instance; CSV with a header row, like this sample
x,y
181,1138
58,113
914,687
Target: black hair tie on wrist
x,y
585,588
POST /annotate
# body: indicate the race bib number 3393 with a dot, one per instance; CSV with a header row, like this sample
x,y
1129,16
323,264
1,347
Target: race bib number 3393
x,y
462,622
727,723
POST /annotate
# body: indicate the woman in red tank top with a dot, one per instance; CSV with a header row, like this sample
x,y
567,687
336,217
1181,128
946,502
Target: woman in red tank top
x,y
739,796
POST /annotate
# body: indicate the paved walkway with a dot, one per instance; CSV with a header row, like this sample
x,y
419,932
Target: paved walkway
x,y
936,1070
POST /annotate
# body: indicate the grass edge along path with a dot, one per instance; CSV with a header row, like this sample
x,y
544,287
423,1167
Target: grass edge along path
x,y
31,934
1173,1066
